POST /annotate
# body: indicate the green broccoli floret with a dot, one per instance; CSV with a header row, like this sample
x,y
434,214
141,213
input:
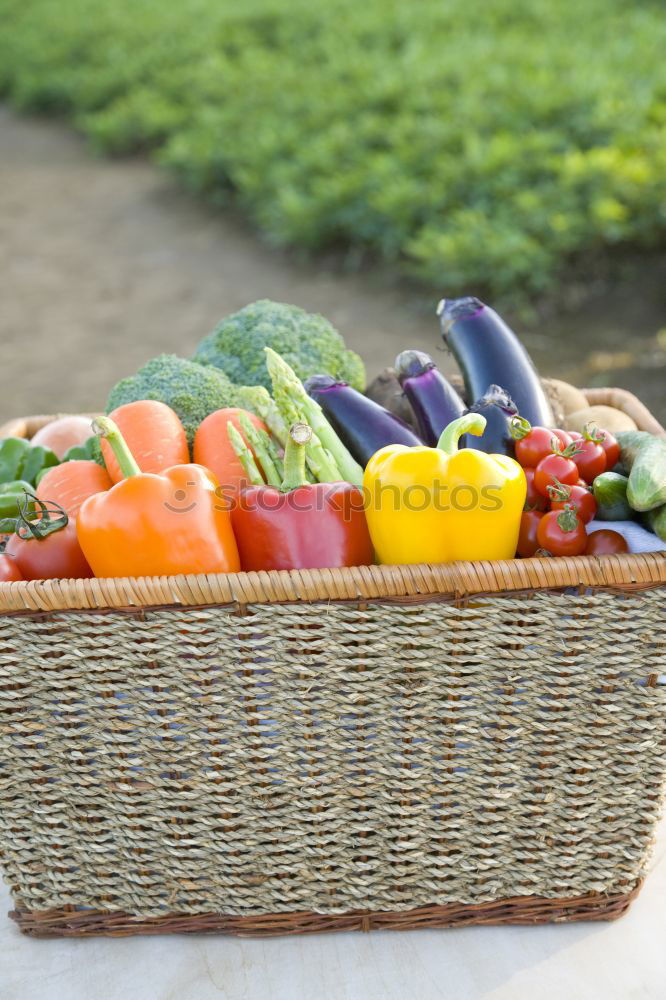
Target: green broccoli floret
x,y
306,341
192,390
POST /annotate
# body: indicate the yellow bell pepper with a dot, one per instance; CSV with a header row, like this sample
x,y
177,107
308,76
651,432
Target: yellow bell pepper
x,y
442,504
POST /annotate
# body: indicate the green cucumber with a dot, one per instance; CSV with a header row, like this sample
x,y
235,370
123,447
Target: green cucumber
x,y
656,521
630,443
647,479
610,492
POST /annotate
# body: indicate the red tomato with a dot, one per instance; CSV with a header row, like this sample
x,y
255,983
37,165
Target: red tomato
x,y
581,482
605,542
554,467
57,555
611,448
564,437
527,536
533,500
575,435
9,571
580,499
537,443
561,533
591,460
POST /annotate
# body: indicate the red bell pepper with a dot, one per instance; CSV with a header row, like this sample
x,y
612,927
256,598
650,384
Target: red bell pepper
x,y
301,525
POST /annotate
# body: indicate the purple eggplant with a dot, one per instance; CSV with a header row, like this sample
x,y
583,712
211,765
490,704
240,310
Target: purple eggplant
x,y
363,425
498,408
489,353
433,399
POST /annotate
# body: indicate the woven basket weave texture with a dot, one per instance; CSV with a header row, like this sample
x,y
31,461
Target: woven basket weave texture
x,y
330,758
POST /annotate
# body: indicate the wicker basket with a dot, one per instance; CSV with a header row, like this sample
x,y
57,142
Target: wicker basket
x,y
380,747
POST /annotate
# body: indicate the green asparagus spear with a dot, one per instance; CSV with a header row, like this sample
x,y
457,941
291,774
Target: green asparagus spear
x,y
258,399
245,455
296,405
259,442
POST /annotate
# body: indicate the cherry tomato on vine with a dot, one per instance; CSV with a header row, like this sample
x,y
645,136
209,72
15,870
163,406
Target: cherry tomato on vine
x,y
591,457
534,500
591,460
605,542
578,497
554,467
57,555
561,533
564,437
612,449
9,571
527,536
535,445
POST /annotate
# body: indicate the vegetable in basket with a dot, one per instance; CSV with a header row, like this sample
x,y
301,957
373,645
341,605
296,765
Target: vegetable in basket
x,y
362,425
498,410
489,353
610,492
45,544
89,451
69,484
9,571
20,460
63,433
156,525
191,390
656,521
298,525
153,433
605,542
214,451
646,488
441,504
562,532
11,494
327,456
433,399
307,342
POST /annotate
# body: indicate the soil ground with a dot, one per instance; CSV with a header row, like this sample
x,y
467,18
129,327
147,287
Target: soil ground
x,y
104,264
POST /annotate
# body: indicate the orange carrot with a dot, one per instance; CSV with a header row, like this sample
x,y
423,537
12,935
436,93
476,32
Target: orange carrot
x,y
154,435
73,482
213,449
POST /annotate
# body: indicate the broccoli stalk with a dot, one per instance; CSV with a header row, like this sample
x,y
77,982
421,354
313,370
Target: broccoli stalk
x,y
259,442
245,455
297,406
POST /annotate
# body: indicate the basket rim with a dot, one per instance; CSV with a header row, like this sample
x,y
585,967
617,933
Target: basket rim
x,y
408,583
357,583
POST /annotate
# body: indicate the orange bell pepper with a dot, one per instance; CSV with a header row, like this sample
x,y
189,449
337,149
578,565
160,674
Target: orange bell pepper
x,y
156,525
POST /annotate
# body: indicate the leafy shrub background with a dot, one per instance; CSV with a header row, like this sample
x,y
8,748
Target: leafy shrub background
x,y
485,145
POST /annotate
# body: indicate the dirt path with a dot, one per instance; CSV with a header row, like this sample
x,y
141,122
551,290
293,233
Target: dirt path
x,y
104,264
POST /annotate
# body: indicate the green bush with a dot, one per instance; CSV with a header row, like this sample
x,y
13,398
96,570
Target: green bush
x,y
484,147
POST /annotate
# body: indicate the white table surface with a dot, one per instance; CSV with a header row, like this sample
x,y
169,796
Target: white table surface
x,y
624,960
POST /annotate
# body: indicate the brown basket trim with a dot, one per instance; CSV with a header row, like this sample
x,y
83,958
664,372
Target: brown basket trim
x,y
520,910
